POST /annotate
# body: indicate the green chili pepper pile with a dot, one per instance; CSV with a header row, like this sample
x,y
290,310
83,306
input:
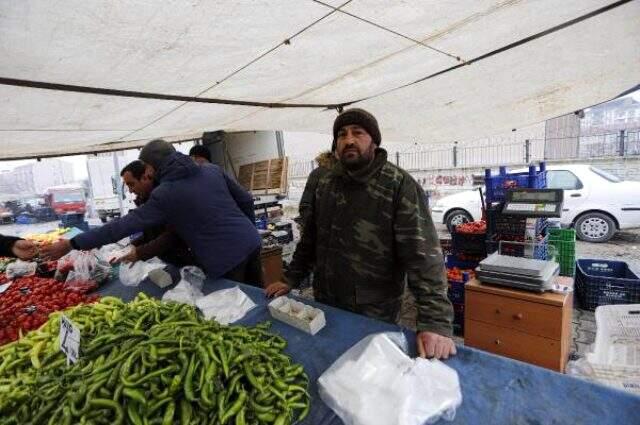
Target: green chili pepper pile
x,y
149,362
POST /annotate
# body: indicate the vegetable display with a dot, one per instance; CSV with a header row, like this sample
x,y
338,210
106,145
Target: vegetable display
x,y
473,227
49,237
149,362
4,262
26,304
456,274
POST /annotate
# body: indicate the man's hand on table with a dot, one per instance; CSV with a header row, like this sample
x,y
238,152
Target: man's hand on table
x,y
276,289
55,250
432,345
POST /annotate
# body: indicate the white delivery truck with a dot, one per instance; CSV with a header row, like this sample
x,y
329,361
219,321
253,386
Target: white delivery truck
x,y
104,180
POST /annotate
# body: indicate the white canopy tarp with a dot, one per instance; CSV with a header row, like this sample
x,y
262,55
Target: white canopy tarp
x,y
367,49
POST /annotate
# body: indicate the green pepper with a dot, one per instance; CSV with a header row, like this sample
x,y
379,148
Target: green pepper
x,y
136,395
103,403
185,412
133,413
168,414
188,380
235,407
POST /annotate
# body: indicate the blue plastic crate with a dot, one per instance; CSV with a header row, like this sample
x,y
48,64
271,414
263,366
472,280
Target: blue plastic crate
x,y
468,243
496,186
452,261
70,220
605,282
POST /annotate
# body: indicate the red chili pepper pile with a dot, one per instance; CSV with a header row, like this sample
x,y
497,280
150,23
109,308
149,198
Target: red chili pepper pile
x,y
474,227
26,304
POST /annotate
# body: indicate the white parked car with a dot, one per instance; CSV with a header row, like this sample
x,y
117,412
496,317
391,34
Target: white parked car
x,y
596,203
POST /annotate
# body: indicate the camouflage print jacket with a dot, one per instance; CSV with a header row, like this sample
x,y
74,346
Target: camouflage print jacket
x,y
364,233
326,161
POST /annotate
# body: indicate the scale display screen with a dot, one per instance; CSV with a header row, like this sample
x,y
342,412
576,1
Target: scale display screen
x,y
518,196
534,202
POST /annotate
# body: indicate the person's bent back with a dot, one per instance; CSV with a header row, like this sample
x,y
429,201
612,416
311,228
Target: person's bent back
x,y
196,201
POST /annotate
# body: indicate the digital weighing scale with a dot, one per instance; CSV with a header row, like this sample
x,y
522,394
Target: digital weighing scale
x,y
534,202
516,272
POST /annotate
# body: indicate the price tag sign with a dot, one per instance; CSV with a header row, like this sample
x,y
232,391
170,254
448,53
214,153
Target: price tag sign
x,y
69,339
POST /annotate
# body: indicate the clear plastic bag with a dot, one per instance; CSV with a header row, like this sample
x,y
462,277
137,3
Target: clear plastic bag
x,y
84,268
194,276
376,383
20,268
65,265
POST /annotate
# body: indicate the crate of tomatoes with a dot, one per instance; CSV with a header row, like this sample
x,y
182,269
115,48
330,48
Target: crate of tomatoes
x,y
470,238
27,302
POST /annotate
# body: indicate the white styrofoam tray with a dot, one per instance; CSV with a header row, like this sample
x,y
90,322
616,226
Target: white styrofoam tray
x,y
299,315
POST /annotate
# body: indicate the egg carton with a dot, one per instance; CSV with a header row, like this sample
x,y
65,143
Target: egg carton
x,y
299,315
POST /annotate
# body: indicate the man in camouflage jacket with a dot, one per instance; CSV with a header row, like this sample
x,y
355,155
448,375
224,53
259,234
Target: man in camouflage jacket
x,y
367,229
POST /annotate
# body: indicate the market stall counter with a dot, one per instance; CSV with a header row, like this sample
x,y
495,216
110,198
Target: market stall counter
x,y
495,389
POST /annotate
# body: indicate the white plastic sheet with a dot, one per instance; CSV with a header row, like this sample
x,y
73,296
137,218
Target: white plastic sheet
x,y
189,289
225,306
339,58
376,383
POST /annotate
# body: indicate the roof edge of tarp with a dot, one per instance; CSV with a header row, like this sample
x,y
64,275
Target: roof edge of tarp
x,y
102,148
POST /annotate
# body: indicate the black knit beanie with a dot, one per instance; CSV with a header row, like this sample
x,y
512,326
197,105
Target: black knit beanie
x,y
155,152
356,116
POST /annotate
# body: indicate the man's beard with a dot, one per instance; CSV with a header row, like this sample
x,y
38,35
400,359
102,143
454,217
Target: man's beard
x,y
355,164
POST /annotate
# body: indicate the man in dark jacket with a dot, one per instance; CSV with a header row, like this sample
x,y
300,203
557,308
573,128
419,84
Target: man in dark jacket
x,y
10,246
210,212
367,230
200,154
158,241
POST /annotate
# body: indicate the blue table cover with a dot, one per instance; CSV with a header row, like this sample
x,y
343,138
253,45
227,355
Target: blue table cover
x,y
495,390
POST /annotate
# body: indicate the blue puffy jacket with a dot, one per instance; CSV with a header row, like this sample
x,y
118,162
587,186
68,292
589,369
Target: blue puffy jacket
x,y
208,210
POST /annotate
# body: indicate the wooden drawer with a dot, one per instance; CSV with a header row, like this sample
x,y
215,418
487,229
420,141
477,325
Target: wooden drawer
x,y
526,316
517,345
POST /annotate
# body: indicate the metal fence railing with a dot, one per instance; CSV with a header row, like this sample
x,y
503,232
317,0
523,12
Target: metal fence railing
x,y
622,143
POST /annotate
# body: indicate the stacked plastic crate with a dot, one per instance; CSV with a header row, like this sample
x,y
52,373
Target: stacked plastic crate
x,y
564,242
459,272
514,230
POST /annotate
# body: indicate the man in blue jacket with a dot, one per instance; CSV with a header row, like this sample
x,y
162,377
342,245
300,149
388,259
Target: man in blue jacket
x,y
208,210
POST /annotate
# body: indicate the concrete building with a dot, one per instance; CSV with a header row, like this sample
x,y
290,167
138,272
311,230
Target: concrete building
x,y
37,177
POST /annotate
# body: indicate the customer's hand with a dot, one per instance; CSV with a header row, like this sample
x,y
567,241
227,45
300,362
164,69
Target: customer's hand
x,y
130,257
276,289
55,250
24,249
432,345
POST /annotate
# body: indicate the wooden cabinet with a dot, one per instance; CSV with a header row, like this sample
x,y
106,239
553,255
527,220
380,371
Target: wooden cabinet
x,y
534,328
271,261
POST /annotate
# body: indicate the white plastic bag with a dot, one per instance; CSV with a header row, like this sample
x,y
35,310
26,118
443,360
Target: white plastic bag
x,y
376,383
225,306
20,268
189,289
131,274
184,293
